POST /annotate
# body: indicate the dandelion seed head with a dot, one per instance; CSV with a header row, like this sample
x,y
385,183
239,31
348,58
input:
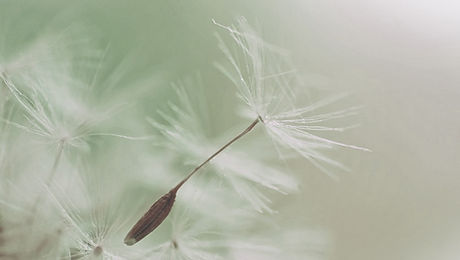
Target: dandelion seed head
x,y
93,219
56,114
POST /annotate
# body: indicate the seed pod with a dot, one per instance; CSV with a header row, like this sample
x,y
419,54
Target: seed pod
x,y
152,218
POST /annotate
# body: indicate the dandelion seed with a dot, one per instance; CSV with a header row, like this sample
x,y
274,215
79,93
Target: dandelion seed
x,y
91,216
53,122
267,91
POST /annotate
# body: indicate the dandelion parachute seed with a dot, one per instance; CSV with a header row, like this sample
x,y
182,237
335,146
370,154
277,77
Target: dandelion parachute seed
x,y
270,97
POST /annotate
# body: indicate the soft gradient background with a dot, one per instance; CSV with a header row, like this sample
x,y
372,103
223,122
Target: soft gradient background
x,y
401,61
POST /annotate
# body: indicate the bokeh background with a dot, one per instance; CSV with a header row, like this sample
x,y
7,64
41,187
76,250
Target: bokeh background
x,y
399,59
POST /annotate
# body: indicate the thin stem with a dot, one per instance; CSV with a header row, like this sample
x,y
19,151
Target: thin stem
x,y
247,130
161,208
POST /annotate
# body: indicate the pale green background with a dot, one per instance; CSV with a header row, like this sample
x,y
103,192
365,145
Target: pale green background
x,y
401,61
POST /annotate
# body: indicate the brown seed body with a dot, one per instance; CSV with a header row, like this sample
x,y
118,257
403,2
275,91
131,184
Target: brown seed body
x,y
152,218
